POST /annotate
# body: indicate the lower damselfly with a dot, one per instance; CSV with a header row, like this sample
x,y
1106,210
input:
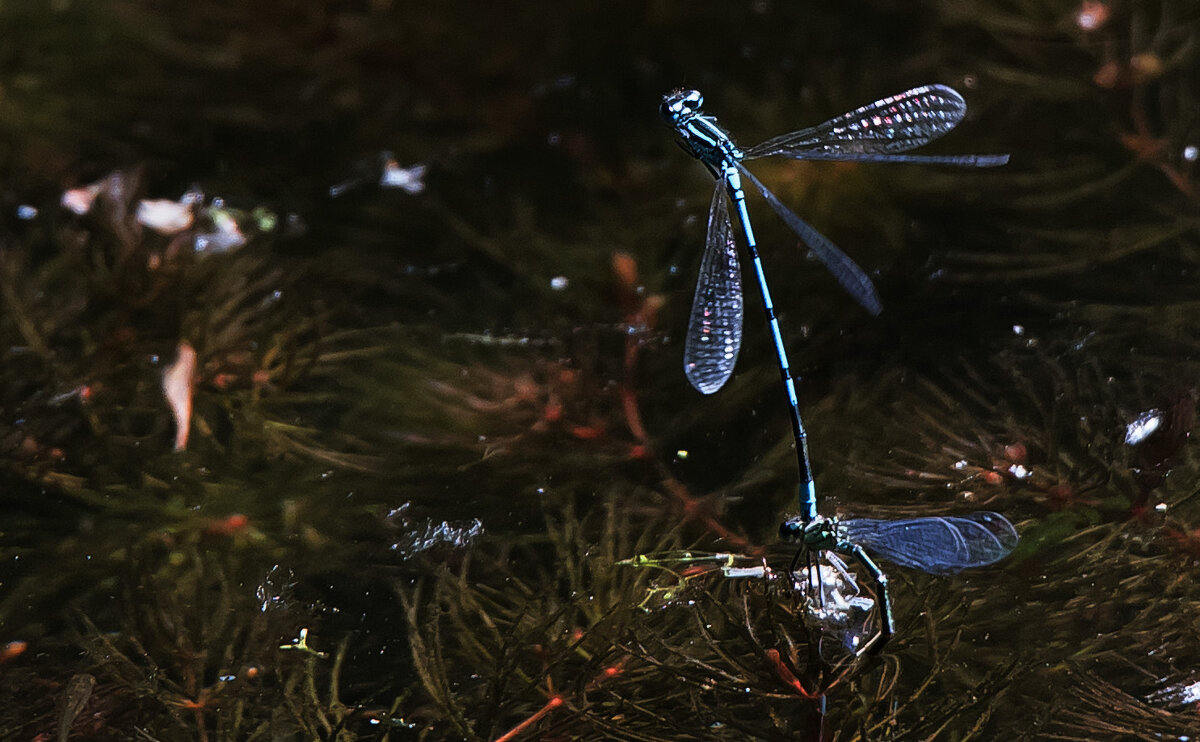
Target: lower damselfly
x,y
879,132
942,545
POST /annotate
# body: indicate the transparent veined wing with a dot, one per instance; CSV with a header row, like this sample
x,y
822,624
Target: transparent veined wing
x,y
936,545
714,333
846,271
880,131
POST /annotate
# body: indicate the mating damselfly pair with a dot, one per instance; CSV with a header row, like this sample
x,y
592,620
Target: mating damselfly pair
x,y
883,131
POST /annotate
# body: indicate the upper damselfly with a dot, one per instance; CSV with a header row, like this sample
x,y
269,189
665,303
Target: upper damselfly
x,y
878,132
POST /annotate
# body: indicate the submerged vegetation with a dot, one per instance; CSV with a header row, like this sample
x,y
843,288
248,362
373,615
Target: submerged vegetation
x,y
314,460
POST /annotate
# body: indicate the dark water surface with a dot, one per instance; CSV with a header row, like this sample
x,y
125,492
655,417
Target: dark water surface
x,y
426,426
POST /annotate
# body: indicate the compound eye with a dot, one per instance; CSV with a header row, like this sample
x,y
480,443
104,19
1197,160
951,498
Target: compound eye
x,y
791,530
668,109
679,103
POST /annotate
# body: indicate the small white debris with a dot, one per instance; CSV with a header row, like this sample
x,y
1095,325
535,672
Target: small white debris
x,y
1190,153
80,200
1091,15
1141,428
411,180
225,237
193,196
558,283
25,212
739,572
1182,694
164,216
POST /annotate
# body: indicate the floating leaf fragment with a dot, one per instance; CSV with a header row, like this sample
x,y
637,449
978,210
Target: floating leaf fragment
x,y
12,650
80,200
179,381
165,216
78,693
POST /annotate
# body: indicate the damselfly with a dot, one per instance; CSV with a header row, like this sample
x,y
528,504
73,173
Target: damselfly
x,y
878,132
938,545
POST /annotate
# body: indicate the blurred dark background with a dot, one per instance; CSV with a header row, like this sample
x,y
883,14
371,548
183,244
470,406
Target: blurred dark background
x,y
427,424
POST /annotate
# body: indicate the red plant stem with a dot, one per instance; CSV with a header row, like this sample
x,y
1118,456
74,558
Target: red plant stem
x,y
1141,125
611,671
788,677
553,703
633,415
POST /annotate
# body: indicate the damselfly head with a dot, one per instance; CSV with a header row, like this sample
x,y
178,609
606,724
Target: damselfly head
x,y
679,104
816,534
792,530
